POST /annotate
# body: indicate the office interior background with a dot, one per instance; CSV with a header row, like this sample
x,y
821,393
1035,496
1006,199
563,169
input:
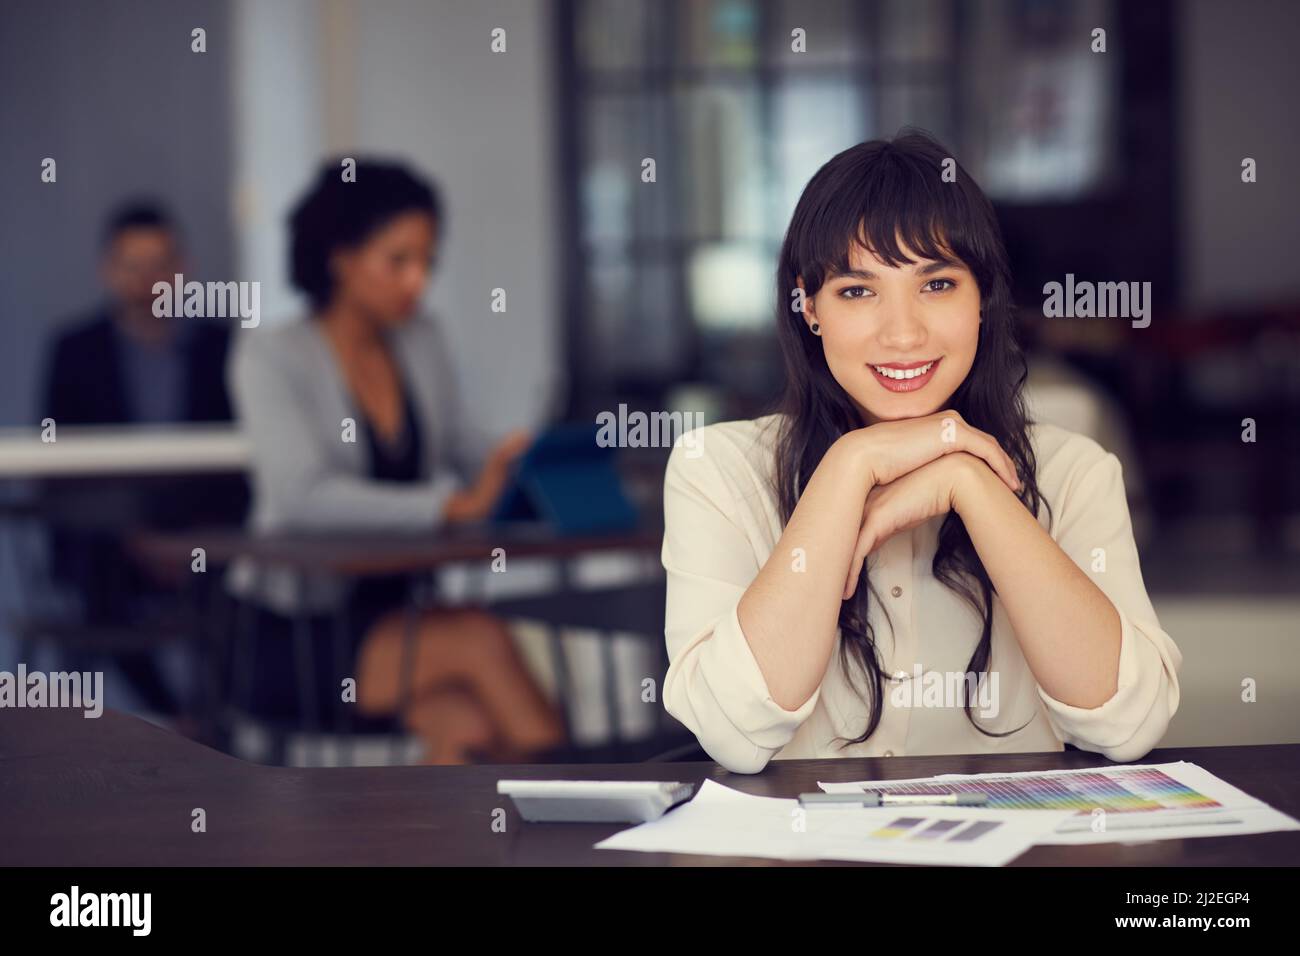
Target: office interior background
x,y
1118,166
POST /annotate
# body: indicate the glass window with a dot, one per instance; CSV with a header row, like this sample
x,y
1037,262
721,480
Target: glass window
x,y
737,123
815,119
833,32
1056,137
730,285
916,31
612,34
651,343
723,177
926,107
622,131
719,32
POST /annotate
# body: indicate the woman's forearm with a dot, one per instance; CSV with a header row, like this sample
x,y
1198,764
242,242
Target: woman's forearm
x,y
790,612
1068,630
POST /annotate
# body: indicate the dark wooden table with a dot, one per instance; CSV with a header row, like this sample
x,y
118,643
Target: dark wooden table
x,y
116,791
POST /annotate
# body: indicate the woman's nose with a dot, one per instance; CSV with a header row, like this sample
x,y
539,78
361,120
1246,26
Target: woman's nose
x,y
901,328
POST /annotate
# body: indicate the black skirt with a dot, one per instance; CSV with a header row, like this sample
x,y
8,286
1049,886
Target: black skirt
x,y
264,669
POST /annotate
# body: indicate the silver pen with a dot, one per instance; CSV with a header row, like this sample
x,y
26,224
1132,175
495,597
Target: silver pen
x,y
873,799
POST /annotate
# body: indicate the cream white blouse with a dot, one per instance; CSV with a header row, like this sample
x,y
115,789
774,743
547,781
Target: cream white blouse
x,y
721,524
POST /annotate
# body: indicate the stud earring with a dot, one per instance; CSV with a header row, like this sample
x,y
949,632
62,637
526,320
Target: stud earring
x,y
816,327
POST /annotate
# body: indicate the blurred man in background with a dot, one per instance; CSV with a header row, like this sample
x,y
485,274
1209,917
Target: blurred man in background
x,y
122,365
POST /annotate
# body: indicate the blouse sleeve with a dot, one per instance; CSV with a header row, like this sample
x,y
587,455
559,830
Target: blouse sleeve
x,y
1095,530
714,685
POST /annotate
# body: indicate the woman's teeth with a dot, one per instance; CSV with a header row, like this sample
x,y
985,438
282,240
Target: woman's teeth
x,y
902,374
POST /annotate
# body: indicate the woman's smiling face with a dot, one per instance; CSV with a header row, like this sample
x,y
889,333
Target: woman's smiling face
x,y
898,339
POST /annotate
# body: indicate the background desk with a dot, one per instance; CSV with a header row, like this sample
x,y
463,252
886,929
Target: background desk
x,y
634,608
363,554
103,450
117,791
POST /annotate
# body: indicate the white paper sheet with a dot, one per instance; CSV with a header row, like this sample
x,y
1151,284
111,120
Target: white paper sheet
x,y
1237,812
720,821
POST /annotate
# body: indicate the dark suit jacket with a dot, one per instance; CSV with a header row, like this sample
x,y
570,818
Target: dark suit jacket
x,y
84,382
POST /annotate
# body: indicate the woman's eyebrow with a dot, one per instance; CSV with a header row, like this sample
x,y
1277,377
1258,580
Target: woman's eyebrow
x,y
938,265
931,267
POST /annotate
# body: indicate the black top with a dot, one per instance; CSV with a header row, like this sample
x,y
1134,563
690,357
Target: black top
x,y
400,460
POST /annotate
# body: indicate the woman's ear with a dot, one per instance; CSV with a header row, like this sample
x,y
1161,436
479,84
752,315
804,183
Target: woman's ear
x,y
809,316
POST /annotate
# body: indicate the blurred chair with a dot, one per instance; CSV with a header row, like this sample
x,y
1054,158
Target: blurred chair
x,y
49,617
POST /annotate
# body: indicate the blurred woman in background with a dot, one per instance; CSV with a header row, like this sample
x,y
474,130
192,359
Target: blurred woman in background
x,y
362,252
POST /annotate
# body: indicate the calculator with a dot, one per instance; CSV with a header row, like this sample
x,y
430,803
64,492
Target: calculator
x,y
594,801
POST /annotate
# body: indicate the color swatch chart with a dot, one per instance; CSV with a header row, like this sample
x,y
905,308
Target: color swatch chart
x,y
956,831
1121,790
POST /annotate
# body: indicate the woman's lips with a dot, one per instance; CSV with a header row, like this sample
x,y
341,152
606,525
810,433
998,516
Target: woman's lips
x,y
906,384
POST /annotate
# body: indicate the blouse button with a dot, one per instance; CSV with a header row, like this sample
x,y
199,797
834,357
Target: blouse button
x,y
896,591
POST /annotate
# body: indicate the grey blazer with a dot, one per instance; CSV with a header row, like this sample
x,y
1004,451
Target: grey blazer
x,y
291,402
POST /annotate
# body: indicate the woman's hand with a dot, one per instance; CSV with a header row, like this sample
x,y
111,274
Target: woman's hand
x,y
476,502
906,502
503,454
893,449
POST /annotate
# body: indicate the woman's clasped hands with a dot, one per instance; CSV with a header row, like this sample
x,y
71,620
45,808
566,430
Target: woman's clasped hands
x,y
916,468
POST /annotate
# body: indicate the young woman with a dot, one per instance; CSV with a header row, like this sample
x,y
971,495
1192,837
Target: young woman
x,y
899,562
362,252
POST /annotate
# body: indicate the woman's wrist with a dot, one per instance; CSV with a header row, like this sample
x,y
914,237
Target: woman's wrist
x,y
973,482
467,504
457,508
852,452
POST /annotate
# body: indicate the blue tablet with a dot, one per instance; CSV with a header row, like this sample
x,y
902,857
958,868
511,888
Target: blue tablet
x,y
567,480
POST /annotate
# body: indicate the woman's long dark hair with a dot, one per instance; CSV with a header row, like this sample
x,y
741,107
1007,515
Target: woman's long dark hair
x,y
893,197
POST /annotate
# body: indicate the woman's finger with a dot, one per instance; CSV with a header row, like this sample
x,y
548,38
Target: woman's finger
x,y
866,541
983,445
855,569
847,590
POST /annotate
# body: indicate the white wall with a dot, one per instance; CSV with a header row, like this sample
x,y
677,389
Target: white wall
x,y
276,77
482,123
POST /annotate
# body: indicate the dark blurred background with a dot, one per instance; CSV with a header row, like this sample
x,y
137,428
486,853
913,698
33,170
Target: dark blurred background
x,y
1117,166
